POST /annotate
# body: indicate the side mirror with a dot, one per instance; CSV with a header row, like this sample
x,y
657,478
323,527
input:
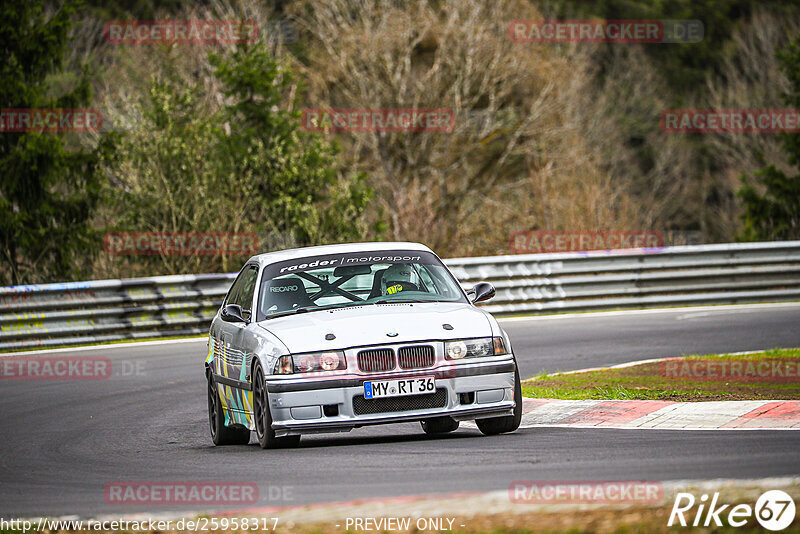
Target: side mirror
x,y
232,313
482,291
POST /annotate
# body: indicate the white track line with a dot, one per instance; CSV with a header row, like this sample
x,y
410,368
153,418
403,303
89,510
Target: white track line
x,y
628,427
643,362
660,415
649,311
121,345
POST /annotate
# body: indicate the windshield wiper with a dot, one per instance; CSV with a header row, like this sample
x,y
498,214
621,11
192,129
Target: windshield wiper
x,y
305,309
399,301
291,312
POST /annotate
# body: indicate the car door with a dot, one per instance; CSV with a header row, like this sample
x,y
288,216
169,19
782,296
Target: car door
x,y
231,365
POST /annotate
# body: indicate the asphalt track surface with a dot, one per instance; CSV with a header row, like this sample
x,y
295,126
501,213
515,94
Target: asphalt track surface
x,y
61,442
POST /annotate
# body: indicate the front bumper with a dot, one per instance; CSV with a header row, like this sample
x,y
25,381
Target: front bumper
x,y
474,390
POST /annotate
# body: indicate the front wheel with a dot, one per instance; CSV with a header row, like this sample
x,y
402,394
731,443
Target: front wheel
x,y
263,418
507,423
221,434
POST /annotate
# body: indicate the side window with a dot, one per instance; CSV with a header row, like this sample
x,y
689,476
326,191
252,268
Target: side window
x,y
237,284
245,287
427,281
439,276
241,291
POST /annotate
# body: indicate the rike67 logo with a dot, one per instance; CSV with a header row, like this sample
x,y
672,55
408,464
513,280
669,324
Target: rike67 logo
x,y
774,510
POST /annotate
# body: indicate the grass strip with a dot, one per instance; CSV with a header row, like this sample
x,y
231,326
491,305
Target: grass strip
x,y
766,375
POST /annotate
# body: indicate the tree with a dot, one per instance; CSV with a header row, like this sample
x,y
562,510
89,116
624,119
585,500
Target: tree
x,y
164,178
226,155
774,214
684,65
290,175
48,190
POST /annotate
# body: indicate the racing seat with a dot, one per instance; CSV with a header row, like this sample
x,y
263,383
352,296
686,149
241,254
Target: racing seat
x,y
285,294
376,284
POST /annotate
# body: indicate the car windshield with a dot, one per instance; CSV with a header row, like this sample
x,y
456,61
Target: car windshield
x,y
354,279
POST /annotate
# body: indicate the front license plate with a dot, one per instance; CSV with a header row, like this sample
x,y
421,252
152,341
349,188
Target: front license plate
x,y
396,388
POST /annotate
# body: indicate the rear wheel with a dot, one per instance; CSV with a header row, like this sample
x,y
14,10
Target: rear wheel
x,y
263,418
439,425
221,434
507,423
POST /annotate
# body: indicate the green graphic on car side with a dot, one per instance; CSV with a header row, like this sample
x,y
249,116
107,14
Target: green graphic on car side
x,y
236,403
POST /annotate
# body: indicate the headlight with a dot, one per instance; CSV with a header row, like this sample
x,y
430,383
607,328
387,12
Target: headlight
x,y
472,348
311,362
283,366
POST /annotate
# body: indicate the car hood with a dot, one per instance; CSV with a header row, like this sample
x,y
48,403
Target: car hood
x,y
372,324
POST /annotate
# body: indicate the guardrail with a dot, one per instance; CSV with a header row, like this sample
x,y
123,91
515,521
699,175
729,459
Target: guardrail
x,y
107,310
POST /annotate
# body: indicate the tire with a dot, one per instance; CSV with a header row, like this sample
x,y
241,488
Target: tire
x,y
221,434
263,418
507,423
439,425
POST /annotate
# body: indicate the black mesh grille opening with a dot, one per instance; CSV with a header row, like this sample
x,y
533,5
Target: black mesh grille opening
x,y
376,360
417,357
362,406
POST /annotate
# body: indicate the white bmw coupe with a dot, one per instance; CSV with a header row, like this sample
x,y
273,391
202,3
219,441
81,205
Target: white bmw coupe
x,y
331,338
